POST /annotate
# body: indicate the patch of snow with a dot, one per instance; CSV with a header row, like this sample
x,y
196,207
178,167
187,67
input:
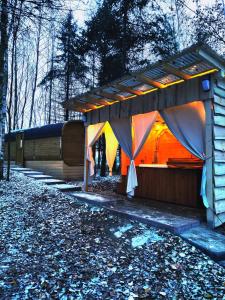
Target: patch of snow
x,y
148,236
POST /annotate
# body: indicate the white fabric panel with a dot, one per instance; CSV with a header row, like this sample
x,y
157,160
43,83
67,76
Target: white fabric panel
x,y
142,125
122,131
111,146
93,133
187,123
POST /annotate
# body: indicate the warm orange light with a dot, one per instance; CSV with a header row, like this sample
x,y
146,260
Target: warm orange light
x,y
130,97
204,73
111,103
148,91
172,83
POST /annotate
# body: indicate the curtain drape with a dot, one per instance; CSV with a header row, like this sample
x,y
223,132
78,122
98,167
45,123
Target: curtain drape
x,y
111,146
93,133
187,123
123,132
141,126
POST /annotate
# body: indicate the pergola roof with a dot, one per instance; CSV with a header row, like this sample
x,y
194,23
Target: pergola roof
x,y
195,61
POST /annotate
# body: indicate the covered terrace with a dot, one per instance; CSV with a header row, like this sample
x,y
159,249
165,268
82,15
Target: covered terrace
x,y
169,120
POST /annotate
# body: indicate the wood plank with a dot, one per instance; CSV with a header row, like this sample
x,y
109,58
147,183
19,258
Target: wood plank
x,y
219,120
219,145
174,185
220,206
219,109
219,92
219,131
220,219
209,161
219,181
220,84
219,193
219,100
219,168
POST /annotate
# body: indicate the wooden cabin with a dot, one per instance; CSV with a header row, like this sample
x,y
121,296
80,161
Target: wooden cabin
x,y
55,149
169,120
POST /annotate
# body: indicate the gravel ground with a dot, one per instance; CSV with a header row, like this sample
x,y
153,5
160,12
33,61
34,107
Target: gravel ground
x,y
54,247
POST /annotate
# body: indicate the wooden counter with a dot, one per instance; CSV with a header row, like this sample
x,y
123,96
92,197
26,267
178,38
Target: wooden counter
x,y
174,185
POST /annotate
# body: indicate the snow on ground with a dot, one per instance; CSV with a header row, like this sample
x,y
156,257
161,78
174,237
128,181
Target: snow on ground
x,y
54,247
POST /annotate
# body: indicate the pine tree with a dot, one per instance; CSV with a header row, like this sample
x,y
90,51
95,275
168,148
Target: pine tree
x,y
119,32
69,66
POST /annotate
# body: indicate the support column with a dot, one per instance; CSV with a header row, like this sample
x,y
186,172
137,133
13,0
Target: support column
x,y
209,162
86,162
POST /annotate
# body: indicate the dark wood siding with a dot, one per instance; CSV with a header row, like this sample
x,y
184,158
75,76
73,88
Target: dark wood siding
x,y
174,185
19,149
73,143
42,149
12,151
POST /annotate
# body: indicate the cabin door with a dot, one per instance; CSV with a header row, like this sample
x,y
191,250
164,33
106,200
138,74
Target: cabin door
x,y
19,149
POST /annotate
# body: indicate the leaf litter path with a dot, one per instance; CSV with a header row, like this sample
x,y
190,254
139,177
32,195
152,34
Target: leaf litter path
x,y
54,247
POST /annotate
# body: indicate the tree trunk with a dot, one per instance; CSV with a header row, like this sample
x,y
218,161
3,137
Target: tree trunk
x,y
25,95
51,80
3,76
15,113
36,72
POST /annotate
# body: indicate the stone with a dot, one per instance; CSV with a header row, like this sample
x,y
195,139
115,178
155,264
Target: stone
x,y
209,241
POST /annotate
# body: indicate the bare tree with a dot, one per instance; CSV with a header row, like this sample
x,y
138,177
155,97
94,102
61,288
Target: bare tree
x,y
36,70
3,76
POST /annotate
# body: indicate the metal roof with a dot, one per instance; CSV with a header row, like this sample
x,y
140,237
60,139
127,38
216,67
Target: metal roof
x,y
195,61
52,130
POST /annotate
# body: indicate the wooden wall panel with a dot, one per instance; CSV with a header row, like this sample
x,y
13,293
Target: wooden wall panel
x,y
58,169
73,143
12,151
219,152
174,95
42,149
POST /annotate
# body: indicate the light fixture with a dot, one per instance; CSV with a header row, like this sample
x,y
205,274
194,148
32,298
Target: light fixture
x,y
84,118
206,85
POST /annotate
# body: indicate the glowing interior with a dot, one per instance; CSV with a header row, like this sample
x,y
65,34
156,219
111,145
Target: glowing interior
x,y
160,146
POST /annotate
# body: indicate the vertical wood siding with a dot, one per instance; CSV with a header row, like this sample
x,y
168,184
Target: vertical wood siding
x,y
219,152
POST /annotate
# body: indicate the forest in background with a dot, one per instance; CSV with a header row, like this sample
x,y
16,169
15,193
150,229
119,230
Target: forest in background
x,y
52,56
52,50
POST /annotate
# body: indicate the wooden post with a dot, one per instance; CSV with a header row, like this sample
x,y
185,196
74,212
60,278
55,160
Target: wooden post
x,y
86,162
209,162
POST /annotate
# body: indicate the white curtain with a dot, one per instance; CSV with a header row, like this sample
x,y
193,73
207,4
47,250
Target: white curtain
x,y
123,132
187,123
93,133
141,126
111,146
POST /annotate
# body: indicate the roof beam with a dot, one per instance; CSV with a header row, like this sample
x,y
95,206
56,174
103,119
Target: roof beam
x,y
127,89
176,72
206,56
144,79
110,96
94,100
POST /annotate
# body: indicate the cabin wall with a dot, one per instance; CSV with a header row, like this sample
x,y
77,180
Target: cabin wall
x,y
219,151
73,143
182,93
57,169
43,149
12,151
